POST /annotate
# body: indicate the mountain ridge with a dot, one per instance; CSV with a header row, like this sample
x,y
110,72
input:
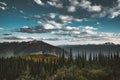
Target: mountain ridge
x,y
8,49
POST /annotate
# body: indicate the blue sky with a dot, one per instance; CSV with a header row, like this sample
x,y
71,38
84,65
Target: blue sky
x,y
60,22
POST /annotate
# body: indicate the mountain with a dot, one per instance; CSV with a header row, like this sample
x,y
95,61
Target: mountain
x,y
92,48
28,48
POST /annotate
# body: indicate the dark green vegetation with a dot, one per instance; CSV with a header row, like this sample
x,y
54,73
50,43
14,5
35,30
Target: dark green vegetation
x,y
51,67
8,49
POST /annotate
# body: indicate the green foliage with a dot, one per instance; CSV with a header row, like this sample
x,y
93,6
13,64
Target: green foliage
x,y
50,67
72,73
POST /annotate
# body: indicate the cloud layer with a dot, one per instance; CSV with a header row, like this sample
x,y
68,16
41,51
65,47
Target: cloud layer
x,y
62,19
77,6
3,5
75,34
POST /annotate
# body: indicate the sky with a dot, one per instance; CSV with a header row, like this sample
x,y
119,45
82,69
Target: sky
x,y
60,22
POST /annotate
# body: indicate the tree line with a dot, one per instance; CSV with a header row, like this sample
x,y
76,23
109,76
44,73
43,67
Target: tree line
x,y
45,66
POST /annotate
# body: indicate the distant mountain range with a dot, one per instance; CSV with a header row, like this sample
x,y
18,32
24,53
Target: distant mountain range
x,y
105,48
8,49
28,48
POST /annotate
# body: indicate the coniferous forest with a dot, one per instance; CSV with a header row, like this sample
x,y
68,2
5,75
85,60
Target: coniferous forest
x,y
52,67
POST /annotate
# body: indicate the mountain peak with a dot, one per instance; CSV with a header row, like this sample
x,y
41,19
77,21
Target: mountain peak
x,y
28,48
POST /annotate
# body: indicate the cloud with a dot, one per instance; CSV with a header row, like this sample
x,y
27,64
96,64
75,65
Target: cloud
x,y
86,33
98,23
7,34
88,30
87,5
75,31
3,5
39,2
69,28
71,5
95,8
115,14
110,12
71,9
15,38
65,18
101,37
71,34
68,19
115,11
74,2
48,26
56,4
28,29
52,21
52,15
1,28
3,8
21,11
57,25
43,28
52,39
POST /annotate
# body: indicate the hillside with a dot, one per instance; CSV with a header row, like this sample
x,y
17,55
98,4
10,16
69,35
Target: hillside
x,y
27,48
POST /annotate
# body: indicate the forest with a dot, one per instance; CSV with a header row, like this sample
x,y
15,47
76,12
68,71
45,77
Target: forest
x,y
52,67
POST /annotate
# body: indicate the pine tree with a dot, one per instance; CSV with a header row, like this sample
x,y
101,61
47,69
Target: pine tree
x,y
70,57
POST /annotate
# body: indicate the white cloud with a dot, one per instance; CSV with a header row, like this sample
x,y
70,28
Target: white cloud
x,y
115,14
88,30
69,19
15,38
21,37
60,5
110,12
37,16
51,3
98,23
115,11
69,28
76,32
48,26
56,4
65,17
39,22
71,9
74,2
95,8
3,3
1,28
3,8
21,11
57,25
39,2
87,5
52,15
25,27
